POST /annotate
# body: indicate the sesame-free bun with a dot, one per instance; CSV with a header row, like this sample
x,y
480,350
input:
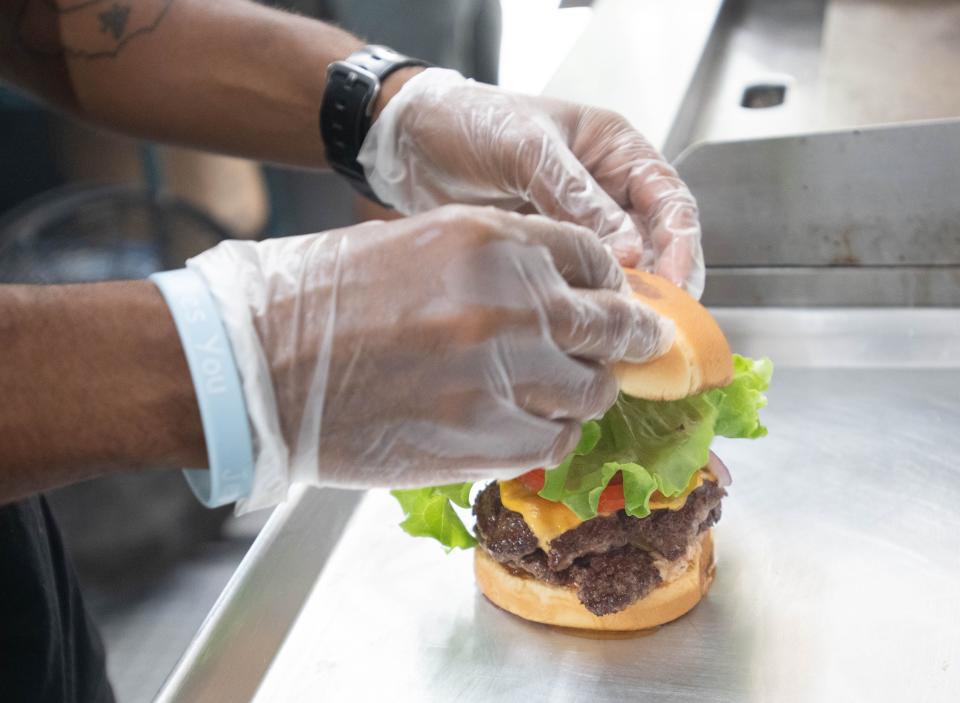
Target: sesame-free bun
x,y
700,357
558,605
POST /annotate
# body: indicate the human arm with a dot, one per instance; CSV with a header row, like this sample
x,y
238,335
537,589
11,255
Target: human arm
x,y
225,75
94,381
402,353
233,76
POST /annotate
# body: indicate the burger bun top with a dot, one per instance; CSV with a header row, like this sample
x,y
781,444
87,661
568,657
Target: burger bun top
x,y
700,357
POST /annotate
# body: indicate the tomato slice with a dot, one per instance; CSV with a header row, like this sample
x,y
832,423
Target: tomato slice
x,y
534,479
611,500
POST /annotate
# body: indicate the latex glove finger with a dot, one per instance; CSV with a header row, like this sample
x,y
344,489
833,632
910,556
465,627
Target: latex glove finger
x,y
672,218
608,326
588,392
577,254
681,256
549,176
521,443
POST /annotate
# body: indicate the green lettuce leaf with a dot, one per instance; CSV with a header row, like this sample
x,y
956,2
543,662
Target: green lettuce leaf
x,y
659,445
655,445
739,403
428,513
589,437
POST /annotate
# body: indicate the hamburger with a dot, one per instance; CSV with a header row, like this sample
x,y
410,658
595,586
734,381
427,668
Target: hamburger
x,y
619,535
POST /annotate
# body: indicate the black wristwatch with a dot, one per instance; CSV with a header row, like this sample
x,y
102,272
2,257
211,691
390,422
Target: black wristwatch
x,y
345,112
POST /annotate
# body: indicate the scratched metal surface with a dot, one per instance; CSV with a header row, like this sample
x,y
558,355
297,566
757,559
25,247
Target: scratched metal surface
x,y
839,579
838,576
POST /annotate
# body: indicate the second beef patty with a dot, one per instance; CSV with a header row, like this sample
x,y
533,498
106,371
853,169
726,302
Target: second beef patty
x,y
608,559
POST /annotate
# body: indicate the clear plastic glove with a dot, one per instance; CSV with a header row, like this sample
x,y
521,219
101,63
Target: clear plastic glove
x,y
444,139
459,344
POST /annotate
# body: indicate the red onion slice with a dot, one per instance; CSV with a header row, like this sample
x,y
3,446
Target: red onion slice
x,y
719,469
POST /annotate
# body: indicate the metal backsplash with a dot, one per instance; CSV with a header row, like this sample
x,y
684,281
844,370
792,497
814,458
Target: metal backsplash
x,y
857,217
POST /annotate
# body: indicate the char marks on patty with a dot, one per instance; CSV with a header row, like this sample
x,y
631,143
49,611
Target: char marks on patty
x,y
609,559
670,532
601,534
613,580
503,532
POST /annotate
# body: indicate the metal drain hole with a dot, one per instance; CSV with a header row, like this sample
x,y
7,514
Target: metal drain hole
x,y
763,95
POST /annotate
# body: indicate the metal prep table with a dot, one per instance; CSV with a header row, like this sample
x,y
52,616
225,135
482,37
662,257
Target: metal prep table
x,y
839,549
838,561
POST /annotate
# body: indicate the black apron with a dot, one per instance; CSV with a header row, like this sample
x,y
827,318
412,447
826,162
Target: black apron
x,y
50,651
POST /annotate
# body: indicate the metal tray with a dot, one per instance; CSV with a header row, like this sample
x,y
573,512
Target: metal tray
x,y
838,561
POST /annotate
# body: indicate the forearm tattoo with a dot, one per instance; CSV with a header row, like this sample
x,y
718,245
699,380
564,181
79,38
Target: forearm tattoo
x,y
90,29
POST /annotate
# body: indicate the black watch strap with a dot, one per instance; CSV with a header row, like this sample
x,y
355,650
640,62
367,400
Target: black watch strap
x,y
345,112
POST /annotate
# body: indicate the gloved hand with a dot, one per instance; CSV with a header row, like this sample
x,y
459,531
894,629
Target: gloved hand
x,y
444,139
459,344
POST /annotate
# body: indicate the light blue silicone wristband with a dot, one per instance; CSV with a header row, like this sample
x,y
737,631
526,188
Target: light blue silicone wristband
x,y
217,384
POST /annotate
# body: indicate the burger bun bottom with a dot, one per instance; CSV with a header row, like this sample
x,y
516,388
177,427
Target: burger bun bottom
x,y
558,605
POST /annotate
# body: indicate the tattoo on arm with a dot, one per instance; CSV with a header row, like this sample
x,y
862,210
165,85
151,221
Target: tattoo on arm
x,y
88,29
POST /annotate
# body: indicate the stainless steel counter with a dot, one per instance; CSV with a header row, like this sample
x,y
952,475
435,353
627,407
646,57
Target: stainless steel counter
x,y
838,576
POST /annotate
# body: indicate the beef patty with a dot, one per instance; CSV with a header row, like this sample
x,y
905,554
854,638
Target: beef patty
x,y
608,559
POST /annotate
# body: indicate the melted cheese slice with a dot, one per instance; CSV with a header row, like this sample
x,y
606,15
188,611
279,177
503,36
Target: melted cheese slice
x,y
546,519
659,501
549,520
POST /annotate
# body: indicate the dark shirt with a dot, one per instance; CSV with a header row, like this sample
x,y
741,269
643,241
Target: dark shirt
x,y
50,651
